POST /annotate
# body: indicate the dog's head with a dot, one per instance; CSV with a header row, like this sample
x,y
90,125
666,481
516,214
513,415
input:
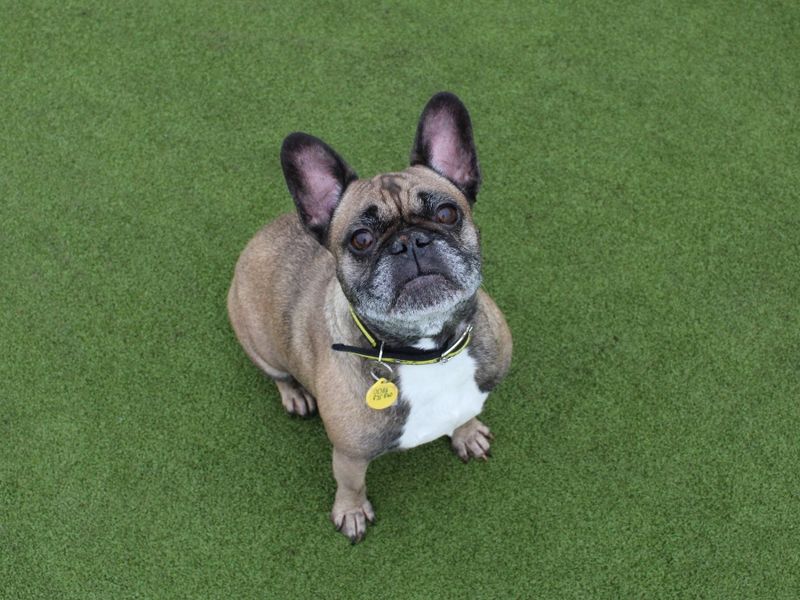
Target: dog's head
x,y
406,249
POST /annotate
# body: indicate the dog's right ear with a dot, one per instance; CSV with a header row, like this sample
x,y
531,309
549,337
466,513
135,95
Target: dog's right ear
x,y
317,177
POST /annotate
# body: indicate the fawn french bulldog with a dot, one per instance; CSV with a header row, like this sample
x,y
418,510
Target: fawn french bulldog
x,y
365,304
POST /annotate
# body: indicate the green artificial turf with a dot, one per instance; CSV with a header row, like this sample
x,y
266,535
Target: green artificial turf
x,y
641,231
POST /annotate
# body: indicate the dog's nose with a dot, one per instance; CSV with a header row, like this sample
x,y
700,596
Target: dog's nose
x,y
409,240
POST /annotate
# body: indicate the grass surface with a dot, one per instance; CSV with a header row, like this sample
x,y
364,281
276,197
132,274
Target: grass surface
x,y
640,218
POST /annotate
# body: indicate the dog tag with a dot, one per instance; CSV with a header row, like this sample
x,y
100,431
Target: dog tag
x,y
382,394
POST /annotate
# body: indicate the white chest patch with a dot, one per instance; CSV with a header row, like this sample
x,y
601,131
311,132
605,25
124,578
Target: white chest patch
x,y
441,397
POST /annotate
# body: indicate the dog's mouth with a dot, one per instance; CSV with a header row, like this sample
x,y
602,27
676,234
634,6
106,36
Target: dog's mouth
x,y
423,281
423,291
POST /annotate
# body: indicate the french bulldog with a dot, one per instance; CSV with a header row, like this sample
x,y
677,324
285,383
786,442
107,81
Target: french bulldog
x,y
365,304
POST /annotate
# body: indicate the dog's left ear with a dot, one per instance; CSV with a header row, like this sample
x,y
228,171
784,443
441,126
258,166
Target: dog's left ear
x,y
444,143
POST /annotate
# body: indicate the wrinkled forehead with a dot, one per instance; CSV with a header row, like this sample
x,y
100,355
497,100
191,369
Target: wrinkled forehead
x,y
392,196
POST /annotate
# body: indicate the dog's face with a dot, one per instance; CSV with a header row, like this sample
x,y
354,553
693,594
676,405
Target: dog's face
x,y
407,252
406,249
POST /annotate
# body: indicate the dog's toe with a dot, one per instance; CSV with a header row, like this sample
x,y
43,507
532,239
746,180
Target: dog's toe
x,y
352,522
472,440
295,399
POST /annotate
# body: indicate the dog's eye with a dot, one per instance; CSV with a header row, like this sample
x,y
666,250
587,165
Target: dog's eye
x,y
361,240
446,214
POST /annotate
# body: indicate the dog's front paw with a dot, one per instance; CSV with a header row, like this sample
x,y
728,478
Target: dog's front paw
x,y
352,520
471,440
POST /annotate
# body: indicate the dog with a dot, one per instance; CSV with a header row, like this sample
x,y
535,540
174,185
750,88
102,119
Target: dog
x,y
366,303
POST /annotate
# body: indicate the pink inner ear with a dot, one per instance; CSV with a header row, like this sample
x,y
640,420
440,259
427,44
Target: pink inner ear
x,y
446,153
321,189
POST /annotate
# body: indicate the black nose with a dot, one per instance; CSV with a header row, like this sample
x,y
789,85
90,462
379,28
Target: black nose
x,y
407,241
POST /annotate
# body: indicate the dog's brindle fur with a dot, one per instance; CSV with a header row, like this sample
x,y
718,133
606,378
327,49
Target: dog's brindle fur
x,y
287,307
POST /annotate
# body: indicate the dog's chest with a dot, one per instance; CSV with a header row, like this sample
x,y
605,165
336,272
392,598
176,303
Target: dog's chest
x,y
441,397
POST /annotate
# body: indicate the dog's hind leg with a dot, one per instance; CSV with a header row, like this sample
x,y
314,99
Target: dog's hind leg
x,y
295,399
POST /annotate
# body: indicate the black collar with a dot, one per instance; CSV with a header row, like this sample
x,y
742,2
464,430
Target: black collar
x,y
406,355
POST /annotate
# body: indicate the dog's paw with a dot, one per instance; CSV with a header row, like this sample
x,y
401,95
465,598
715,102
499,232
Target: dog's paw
x,y
352,521
472,440
295,399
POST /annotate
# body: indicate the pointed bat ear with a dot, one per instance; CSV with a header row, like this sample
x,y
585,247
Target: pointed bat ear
x,y
444,143
316,177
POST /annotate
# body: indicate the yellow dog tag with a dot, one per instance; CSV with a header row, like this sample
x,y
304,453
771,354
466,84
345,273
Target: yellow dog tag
x,y
382,394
